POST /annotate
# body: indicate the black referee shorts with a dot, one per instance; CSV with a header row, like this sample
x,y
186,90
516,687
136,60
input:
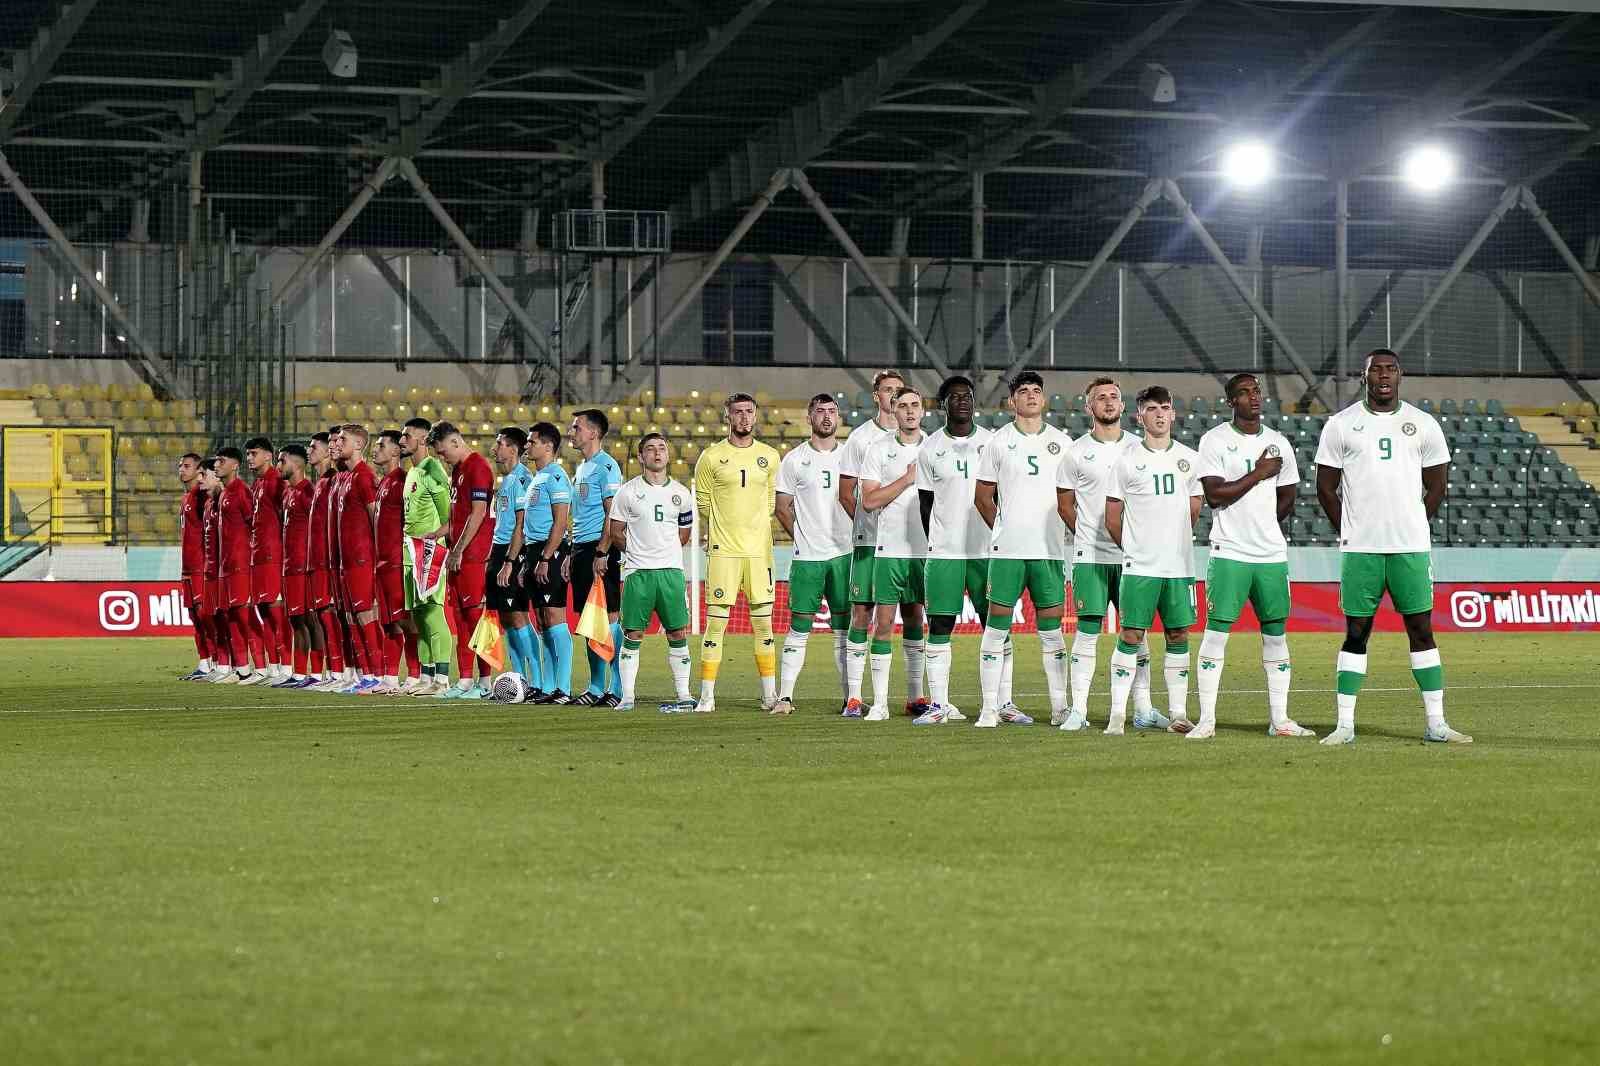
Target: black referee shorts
x,y
510,596
552,592
583,574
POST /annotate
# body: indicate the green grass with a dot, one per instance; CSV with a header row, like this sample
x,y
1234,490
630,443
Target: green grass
x,y
212,875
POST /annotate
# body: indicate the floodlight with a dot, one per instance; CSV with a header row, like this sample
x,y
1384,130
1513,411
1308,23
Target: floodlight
x,y
339,54
1428,168
1247,163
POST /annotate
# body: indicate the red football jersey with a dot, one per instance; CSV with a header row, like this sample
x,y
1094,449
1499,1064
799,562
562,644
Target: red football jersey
x,y
317,530
392,517
266,525
357,488
192,521
471,482
210,521
236,507
297,500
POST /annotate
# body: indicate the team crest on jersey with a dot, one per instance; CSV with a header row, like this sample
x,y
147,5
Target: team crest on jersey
x,y
717,593
677,501
1183,466
1272,451
761,461
1409,429
1054,449
533,497
583,490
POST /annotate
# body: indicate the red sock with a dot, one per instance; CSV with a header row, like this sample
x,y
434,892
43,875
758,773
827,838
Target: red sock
x,y
316,661
372,637
239,635
301,652
202,639
354,654
466,658
411,650
392,646
275,631
217,624
334,642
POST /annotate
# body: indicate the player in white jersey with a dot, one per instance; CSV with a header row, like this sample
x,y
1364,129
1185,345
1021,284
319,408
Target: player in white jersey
x,y
1016,479
958,541
1096,573
1382,469
1151,504
888,487
651,517
808,509
1249,476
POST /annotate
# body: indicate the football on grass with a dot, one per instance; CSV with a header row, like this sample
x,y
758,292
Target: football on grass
x,y
510,687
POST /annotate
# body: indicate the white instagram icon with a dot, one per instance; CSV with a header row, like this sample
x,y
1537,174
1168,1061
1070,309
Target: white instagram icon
x,y
1469,608
119,610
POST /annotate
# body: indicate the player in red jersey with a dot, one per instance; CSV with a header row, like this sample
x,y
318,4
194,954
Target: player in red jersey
x,y
319,573
266,555
471,536
211,609
304,633
235,507
355,507
399,633
191,524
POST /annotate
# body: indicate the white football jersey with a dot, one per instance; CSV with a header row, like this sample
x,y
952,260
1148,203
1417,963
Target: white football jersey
x,y
1247,529
1155,489
1382,457
1023,468
821,528
862,440
948,467
1087,469
653,515
900,532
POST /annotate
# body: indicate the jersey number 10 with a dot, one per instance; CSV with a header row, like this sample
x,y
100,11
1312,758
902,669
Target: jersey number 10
x,y
1165,484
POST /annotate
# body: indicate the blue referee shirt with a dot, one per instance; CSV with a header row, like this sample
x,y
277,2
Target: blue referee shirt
x,y
596,481
508,500
549,486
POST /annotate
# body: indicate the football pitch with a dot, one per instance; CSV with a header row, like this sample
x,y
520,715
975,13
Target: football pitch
x,y
210,874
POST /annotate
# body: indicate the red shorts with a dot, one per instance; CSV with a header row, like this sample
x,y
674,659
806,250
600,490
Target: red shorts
x,y
319,590
358,588
194,593
391,594
266,583
211,596
294,594
464,589
236,589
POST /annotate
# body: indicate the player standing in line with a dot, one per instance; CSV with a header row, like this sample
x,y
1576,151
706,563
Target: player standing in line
x,y
958,541
1371,461
888,482
807,506
399,635
234,508
652,515
304,635
1081,483
355,505
862,440
506,593
344,632
539,552
213,603
192,535
319,559
427,519
594,483
266,556
1249,476
1151,504
1016,477
735,487
471,486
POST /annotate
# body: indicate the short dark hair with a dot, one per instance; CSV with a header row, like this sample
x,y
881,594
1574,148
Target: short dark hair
x,y
547,432
883,375
1390,352
596,418
209,464
954,381
337,427
230,452
515,434
191,455
296,450
258,442
1027,377
1152,394
320,438
1234,382
903,390
662,437
1097,382
738,397
821,398
391,434
441,430
418,423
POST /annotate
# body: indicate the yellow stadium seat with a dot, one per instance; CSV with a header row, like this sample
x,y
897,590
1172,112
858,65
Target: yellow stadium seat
x,y
78,465
688,450
91,391
75,411
166,524
332,412
415,394
378,412
169,425
144,483
473,412
143,391
49,410
101,410
709,414
39,391
68,391
522,414
341,393
439,394
488,429
425,410
155,409
401,413
496,413
450,413
390,394
315,394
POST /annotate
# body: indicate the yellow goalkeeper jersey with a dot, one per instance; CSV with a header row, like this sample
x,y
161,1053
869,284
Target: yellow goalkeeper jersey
x,y
735,489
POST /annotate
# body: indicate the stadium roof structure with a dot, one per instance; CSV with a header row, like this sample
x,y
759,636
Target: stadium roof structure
x,y
889,106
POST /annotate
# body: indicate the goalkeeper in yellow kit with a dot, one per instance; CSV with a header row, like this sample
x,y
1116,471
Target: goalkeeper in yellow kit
x,y
735,488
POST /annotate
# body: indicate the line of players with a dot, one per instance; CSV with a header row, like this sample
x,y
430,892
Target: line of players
x,y
327,573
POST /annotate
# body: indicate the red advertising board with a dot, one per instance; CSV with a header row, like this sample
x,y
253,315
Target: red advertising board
x,y
155,609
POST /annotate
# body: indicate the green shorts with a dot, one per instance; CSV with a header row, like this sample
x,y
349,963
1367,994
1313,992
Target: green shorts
x,y
1041,578
861,573
1094,585
813,580
409,584
897,581
1229,583
1143,598
657,592
1364,577
951,581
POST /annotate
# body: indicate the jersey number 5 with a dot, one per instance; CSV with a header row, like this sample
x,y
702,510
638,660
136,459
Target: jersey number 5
x,y
1033,466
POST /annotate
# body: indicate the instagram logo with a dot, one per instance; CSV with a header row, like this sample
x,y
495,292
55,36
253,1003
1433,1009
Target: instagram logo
x,y
119,610
1469,609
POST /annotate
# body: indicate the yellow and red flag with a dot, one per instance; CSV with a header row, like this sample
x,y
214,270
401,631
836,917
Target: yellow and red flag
x,y
593,623
488,642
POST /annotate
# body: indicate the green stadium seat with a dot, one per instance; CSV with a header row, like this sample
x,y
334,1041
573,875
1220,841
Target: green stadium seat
x,y
1470,407
1448,407
1427,405
1494,407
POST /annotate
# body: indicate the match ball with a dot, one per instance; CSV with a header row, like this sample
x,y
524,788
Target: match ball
x,y
510,687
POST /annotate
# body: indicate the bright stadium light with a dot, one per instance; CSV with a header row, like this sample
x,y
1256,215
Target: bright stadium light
x,y
1247,163
1428,168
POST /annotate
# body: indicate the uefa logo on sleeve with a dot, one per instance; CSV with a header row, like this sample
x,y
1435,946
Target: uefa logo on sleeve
x,y
119,610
